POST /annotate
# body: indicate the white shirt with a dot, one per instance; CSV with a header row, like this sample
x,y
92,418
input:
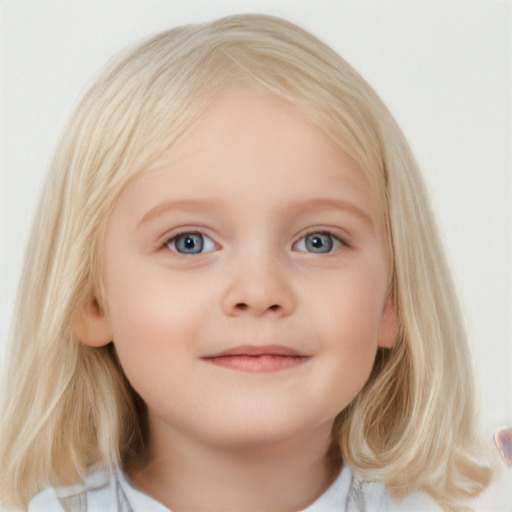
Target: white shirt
x,y
112,492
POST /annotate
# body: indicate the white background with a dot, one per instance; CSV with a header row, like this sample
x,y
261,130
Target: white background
x,y
442,67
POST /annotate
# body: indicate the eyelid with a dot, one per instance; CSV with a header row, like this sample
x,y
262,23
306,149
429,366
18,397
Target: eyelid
x,y
175,234
343,240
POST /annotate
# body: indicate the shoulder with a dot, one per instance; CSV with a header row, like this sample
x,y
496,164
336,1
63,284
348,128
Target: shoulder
x,y
91,496
97,492
373,497
102,491
352,494
45,501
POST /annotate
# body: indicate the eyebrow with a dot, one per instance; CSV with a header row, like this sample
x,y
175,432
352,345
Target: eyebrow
x,y
326,203
292,209
183,205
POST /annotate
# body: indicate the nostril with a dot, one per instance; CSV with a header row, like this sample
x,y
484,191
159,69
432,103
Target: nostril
x,y
242,306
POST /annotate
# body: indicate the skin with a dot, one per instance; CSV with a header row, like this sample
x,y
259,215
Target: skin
x,y
255,177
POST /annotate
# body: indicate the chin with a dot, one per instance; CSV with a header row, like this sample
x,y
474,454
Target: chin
x,y
262,429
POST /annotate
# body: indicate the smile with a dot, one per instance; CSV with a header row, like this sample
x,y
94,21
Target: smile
x,y
256,359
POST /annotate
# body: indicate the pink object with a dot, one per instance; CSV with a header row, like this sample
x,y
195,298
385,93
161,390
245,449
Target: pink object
x,y
503,440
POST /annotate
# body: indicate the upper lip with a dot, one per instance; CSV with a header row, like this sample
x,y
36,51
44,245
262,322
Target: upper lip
x,y
259,350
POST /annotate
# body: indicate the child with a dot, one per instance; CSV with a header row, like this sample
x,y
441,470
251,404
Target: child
x,y
235,297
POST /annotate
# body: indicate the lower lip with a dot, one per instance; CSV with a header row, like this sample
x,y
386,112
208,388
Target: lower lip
x,y
255,364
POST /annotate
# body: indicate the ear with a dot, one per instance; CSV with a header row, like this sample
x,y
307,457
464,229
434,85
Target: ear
x,y
91,325
388,329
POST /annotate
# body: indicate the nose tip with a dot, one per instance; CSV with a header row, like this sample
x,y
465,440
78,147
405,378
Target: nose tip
x,y
258,291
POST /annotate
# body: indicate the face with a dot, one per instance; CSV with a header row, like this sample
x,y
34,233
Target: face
x,y
246,277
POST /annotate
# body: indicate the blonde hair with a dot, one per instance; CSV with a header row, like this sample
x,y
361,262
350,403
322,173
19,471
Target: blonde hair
x,y
68,407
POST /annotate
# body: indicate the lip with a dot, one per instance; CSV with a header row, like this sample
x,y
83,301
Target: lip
x,y
259,350
258,359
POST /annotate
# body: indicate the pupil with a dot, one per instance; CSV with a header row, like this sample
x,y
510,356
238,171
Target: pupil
x,y
319,243
190,243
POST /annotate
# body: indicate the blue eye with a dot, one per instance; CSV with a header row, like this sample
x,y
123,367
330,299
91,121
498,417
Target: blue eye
x,y
191,243
318,243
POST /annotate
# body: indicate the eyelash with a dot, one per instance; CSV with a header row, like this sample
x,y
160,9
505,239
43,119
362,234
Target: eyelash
x,y
335,242
190,234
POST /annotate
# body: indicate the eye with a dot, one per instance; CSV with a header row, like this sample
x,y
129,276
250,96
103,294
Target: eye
x,y
192,242
318,243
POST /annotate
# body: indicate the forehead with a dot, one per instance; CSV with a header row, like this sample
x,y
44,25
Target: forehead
x,y
247,131
251,152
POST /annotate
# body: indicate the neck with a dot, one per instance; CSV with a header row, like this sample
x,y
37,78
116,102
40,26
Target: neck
x,y
285,475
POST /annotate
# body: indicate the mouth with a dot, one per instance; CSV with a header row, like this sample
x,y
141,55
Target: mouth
x,y
257,359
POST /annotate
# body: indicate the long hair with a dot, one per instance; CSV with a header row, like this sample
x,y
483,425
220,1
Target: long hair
x,y
68,408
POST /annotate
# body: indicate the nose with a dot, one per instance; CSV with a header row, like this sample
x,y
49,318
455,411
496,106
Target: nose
x,y
258,286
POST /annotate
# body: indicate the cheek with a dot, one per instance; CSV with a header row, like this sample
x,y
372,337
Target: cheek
x,y
349,312
152,326
347,363
347,316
